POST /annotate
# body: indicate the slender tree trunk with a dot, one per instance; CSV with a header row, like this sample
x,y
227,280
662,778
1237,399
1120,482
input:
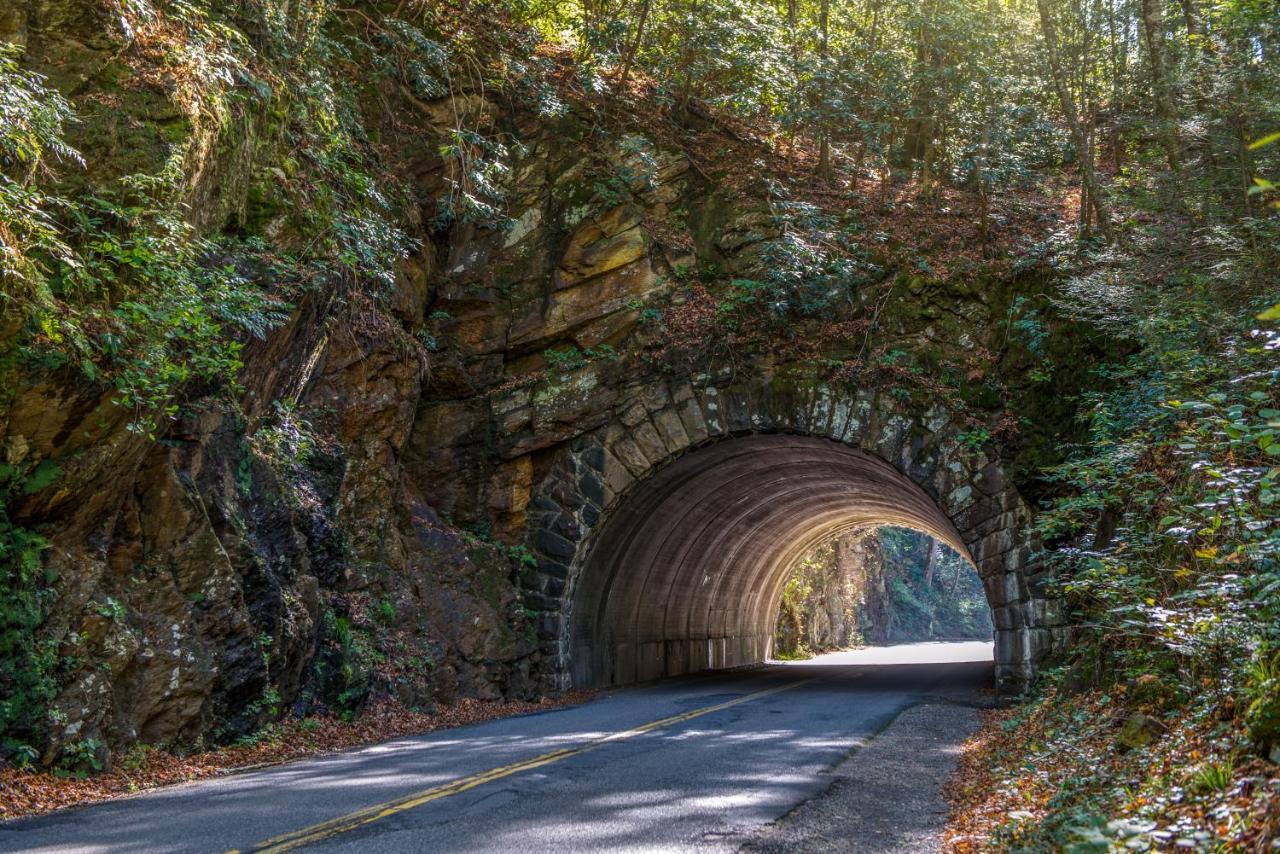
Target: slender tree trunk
x,y
1195,23
1117,98
634,45
1166,114
824,138
931,562
793,23
1088,180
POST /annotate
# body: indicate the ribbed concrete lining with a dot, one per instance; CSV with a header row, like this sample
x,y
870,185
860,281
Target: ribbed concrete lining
x,y
688,571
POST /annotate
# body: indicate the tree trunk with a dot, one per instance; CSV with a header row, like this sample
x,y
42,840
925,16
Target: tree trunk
x,y
1195,23
931,562
824,138
633,46
1088,180
1166,114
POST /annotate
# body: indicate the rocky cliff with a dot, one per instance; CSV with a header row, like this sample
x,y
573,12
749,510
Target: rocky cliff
x,y
344,511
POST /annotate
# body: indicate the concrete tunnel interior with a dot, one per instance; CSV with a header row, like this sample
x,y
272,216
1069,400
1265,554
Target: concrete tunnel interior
x,y
687,574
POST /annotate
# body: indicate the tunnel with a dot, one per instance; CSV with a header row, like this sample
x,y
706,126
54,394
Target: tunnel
x,y
686,573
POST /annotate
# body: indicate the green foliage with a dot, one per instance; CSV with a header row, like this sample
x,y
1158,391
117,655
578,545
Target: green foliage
x,y
572,359
1027,326
522,556
384,611
287,440
895,595
79,758
1182,459
27,663
115,280
1262,693
975,439
950,604
32,121
348,663
815,265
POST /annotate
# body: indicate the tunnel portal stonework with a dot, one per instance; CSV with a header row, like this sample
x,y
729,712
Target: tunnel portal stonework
x,y
664,537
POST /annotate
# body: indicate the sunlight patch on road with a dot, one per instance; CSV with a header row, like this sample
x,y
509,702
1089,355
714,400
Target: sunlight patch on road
x,y
933,652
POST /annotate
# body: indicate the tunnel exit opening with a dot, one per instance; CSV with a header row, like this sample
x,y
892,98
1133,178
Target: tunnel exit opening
x,y
688,572
880,587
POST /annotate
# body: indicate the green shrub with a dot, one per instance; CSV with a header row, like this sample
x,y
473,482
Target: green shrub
x,y
27,684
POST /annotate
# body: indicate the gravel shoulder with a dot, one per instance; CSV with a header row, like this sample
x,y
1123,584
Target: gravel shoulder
x,y
887,795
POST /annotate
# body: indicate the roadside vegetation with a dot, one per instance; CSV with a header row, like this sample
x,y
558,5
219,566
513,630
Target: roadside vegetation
x,y
905,142
887,586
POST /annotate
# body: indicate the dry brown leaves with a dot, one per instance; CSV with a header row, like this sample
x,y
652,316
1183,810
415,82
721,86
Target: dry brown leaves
x,y
25,793
972,793
1010,776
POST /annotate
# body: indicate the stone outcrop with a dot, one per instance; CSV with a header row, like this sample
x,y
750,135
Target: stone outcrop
x,y
367,512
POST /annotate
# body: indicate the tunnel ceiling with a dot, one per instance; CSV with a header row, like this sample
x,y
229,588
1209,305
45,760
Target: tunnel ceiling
x,y
688,571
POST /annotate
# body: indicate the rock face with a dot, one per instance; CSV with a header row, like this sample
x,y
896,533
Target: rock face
x,y
368,514
825,596
889,585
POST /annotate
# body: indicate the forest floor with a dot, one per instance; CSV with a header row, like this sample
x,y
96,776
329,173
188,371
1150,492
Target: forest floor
x,y
25,792
1085,772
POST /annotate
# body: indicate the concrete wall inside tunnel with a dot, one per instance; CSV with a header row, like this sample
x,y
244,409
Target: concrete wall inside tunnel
x,y
687,575
664,538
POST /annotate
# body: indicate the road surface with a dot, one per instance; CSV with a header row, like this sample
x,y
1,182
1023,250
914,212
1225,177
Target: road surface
x,y
700,763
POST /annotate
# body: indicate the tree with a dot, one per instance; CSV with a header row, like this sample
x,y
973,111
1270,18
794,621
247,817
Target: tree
x,y
1091,192
1166,115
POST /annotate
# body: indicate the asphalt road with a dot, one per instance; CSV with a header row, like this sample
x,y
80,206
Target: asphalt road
x,y
699,763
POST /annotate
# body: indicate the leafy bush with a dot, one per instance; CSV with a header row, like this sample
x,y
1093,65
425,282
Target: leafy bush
x,y
27,664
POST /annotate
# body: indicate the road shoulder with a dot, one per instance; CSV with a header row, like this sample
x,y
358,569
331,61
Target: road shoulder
x,y
887,795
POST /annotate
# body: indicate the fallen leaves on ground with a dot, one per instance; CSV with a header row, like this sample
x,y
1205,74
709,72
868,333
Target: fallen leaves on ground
x,y
1052,776
28,792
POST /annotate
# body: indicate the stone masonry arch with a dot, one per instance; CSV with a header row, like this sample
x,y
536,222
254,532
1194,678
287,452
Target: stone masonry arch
x,y
739,477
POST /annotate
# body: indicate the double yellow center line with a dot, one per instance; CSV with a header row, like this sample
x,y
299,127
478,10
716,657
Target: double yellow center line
x,y
343,824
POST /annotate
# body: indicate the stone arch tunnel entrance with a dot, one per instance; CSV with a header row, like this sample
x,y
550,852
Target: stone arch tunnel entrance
x,y
665,538
688,574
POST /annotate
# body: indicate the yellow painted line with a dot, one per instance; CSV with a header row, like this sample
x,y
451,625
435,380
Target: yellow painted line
x,y
343,824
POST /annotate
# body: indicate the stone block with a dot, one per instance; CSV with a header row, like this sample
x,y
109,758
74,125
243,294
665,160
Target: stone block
x,y
539,601
655,397
711,412
681,392
617,477
671,429
738,410
553,569
1012,646
592,488
610,241
554,587
633,412
1039,644
823,412
841,410
510,486
592,455
549,624
893,437
568,527
650,443
958,500
1008,617
996,543
695,427
990,480
626,452
555,546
